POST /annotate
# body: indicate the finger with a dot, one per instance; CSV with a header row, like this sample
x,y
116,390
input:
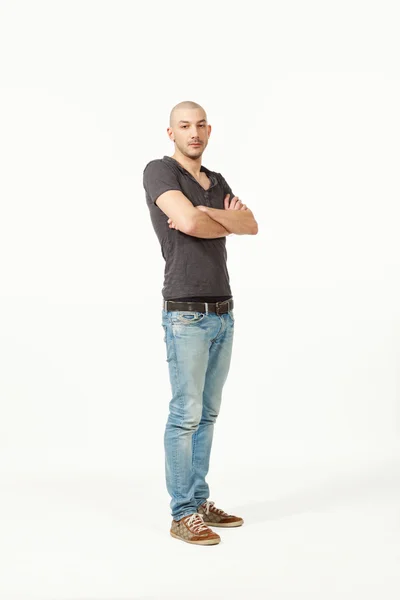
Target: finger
x,y
234,203
226,202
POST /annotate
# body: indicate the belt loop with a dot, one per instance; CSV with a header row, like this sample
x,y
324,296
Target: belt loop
x,y
206,303
165,305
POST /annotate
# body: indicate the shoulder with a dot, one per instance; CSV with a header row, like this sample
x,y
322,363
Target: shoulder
x,y
154,164
158,172
159,177
158,165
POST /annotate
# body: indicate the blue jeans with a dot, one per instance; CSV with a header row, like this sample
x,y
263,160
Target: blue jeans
x,y
199,348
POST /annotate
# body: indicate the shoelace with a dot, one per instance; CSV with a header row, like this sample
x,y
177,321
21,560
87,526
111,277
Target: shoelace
x,y
209,504
196,522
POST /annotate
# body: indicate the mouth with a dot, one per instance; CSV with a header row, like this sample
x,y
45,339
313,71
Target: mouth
x,y
196,144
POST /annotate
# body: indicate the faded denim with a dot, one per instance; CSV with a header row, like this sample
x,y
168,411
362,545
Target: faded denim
x,y
199,349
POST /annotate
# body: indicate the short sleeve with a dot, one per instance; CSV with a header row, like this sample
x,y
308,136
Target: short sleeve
x,y
226,187
159,178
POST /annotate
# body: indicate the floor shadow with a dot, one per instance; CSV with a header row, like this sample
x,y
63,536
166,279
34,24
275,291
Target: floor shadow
x,y
336,490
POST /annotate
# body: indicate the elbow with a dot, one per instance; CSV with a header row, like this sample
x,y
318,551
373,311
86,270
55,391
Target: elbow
x,y
191,226
255,228
194,223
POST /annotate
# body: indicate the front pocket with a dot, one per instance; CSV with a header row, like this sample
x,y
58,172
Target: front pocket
x,y
187,317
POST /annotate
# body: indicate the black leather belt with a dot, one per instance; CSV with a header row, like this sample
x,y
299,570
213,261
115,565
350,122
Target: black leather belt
x,y
219,308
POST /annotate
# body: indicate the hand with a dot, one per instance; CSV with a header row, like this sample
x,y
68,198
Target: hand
x,y
235,203
172,225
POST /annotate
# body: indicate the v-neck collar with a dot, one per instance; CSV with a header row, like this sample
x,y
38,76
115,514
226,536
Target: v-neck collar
x,y
186,172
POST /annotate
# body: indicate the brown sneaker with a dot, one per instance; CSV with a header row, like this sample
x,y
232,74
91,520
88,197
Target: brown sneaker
x,y
192,529
217,517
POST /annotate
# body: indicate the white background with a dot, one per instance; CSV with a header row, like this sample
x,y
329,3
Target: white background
x,y
303,98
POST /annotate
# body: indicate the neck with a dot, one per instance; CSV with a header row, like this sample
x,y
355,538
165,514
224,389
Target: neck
x,y
190,164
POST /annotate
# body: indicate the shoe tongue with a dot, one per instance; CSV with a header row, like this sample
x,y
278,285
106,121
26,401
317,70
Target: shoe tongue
x,y
193,516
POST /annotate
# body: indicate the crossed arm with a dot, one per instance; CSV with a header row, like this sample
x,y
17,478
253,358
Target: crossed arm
x,y
215,222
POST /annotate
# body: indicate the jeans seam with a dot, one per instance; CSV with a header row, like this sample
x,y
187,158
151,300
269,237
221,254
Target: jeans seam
x,y
175,475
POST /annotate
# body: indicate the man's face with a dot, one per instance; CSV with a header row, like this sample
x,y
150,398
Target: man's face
x,y
190,128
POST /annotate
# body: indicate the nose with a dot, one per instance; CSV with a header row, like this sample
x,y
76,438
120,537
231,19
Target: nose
x,y
194,131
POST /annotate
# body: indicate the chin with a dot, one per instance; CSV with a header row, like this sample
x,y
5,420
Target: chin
x,y
196,151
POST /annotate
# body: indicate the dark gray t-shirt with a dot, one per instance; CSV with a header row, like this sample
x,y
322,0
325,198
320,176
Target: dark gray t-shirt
x,y
194,267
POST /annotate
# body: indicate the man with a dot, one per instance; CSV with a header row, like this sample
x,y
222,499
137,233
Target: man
x,y
192,210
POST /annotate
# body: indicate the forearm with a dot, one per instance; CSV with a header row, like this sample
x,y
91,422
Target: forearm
x,y
206,227
241,222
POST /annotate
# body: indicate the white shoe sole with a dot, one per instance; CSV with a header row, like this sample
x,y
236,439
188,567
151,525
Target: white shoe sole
x,y
210,542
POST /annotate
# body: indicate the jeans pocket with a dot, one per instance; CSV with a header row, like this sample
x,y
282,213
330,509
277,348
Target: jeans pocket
x,y
187,317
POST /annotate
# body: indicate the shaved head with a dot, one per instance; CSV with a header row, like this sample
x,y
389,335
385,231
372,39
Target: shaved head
x,y
189,130
180,108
